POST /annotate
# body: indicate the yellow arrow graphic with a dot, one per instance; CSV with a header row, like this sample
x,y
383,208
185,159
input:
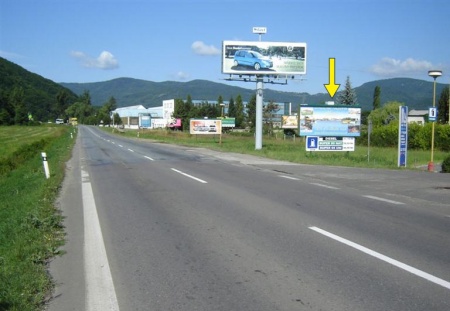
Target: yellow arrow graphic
x,y
331,87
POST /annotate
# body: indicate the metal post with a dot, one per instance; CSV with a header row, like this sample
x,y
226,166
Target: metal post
x,y
434,74
259,105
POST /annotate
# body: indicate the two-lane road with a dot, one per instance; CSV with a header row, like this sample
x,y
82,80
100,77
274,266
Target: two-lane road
x,y
157,227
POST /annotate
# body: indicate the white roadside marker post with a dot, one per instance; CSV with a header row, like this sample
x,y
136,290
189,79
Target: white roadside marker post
x,y
46,169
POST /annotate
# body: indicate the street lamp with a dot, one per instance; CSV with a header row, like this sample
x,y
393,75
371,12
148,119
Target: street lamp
x,y
434,74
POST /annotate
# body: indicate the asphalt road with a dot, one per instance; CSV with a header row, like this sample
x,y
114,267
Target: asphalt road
x,y
192,229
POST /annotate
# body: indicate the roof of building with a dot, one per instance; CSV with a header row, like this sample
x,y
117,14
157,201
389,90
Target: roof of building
x,y
418,113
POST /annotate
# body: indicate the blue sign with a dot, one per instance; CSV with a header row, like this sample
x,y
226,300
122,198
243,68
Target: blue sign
x,y
432,114
312,143
402,136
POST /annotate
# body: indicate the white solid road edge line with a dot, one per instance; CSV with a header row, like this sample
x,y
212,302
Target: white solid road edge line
x,y
382,257
100,292
190,176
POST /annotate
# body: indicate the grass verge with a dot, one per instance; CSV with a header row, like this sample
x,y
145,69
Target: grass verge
x,y
293,150
30,226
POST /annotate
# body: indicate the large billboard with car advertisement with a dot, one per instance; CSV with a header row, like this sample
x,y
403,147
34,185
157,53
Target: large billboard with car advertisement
x,y
263,58
344,121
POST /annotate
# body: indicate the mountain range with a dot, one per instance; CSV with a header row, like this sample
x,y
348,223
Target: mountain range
x,y
414,93
40,92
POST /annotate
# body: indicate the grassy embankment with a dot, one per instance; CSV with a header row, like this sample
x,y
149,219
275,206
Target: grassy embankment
x,y
30,226
292,150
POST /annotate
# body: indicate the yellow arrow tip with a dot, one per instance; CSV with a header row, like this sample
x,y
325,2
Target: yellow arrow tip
x,y
332,88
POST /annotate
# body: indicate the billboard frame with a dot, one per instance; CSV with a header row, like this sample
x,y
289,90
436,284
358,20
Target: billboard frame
x,y
326,121
288,58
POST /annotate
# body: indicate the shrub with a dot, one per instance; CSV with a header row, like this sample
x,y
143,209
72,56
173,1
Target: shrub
x,y
446,165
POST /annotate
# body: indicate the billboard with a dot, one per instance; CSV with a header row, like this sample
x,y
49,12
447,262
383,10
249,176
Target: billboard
x,y
229,122
266,58
289,122
342,121
205,126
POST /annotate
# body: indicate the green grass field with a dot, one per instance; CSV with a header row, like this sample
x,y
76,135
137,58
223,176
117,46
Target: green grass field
x,y
30,225
292,150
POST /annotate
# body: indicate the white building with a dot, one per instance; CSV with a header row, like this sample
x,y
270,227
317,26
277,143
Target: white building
x,y
417,116
135,117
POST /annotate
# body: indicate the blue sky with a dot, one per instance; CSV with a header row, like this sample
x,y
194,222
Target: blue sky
x,y
176,40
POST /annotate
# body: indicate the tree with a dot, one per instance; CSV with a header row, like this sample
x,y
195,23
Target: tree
x,y
82,109
376,97
443,106
61,104
348,95
268,114
239,114
385,115
17,100
251,112
231,108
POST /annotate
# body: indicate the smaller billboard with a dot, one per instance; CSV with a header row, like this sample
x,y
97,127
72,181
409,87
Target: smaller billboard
x,y
289,122
330,121
263,58
229,122
205,126
174,123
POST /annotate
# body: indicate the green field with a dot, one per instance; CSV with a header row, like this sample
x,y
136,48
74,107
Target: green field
x,y
30,226
277,147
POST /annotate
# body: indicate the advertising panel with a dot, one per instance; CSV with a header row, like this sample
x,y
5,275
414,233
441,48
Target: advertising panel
x,y
289,122
205,126
315,143
229,122
402,136
266,58
330,121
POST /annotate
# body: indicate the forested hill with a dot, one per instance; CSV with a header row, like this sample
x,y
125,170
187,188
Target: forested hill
x,y
417,94
30,93
47,100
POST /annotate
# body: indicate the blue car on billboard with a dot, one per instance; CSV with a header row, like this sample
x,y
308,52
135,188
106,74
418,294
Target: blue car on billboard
x,y
252,59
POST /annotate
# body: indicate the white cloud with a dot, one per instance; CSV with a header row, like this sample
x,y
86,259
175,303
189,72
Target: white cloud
x,y
104,61
180,75
389,67
202,49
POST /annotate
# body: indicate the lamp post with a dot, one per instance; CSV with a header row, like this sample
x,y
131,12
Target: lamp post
x,y
434,74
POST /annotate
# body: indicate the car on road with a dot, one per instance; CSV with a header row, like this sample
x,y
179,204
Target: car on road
x,y
253,59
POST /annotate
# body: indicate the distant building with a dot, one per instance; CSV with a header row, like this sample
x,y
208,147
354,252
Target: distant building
x,y
417,116
135,117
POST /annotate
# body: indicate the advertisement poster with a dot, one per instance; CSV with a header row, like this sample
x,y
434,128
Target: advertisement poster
x,y
270,58
402,136
205,126
330,121
289,122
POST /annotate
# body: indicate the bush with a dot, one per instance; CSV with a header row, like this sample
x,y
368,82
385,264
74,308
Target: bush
x,y
446,165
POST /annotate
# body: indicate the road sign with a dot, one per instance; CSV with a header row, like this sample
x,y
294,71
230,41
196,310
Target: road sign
x,y
432,114
312,143
316,143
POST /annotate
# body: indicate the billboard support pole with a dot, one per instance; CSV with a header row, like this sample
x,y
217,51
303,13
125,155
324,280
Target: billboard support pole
x,y
259,106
